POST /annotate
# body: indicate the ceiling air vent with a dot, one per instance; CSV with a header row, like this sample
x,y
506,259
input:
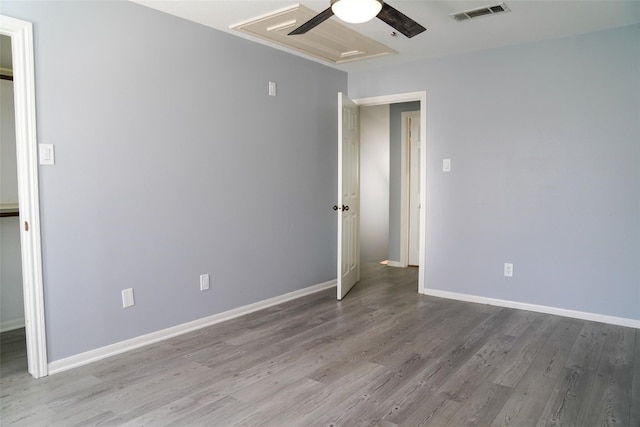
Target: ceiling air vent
x,y
480,11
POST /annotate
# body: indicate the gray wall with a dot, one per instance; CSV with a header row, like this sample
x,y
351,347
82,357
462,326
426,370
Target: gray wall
x,y
173,161
395,178
374,183
544,145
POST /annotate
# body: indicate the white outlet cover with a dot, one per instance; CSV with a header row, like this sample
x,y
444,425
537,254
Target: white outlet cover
x,y
446,165
508,269
272,89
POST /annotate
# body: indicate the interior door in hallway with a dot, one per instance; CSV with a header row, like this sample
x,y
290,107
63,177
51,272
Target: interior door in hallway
x,y
414,187
348,207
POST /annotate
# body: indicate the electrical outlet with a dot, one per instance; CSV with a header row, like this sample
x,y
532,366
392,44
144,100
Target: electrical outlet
x,y
127,298
204,282
508,269
446,165
272,89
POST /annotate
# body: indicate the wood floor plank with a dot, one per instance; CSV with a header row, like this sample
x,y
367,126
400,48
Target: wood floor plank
x,y
516,364
281,400
349,381
609,402
332,398
372,403
481,407
464,382
566,401
407,401
164,414
461,351
430,331
434,411
207,413
36,415
530,395
43,391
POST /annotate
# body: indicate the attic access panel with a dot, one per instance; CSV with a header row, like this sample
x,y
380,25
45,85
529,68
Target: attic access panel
x,y
331,41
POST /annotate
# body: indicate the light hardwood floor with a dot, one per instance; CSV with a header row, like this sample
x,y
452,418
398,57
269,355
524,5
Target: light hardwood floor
x,y
384,356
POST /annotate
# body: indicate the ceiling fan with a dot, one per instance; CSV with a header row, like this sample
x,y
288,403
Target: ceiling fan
x,y
357,11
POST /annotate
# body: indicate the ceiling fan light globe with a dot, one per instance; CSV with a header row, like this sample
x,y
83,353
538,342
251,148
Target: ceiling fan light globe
x,y
356,11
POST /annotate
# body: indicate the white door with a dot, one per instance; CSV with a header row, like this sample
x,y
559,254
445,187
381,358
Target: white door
x,y
348,207
414,188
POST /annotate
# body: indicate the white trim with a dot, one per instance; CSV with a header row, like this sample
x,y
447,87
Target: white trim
x,y
423,191
391,99
11,325
583,315
408,97
21,33
395,264
143,340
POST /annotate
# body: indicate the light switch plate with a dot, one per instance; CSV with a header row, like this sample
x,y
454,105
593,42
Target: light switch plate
x,y
272,89
47,156
204,282
446,165
127,298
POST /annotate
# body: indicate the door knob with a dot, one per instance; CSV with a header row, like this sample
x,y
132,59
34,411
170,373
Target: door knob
x,y
345,208
335,207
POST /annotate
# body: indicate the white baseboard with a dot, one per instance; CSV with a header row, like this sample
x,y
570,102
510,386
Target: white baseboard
x,y
10,325
620,321
395,264
143,340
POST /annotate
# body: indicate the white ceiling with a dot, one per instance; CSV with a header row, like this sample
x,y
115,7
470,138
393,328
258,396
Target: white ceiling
x,y
529,20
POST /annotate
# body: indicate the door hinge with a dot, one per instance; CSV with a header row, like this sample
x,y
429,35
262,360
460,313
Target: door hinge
x,y
26,226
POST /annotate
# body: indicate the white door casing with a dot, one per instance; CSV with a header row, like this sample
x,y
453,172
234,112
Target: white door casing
x,y
349,195
413,143
21,33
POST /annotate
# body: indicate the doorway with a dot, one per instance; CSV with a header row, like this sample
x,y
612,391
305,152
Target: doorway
x,y
21,35
420,97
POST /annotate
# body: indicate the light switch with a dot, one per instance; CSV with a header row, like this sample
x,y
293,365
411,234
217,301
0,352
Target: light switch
x,y
446,165
46,154
272,89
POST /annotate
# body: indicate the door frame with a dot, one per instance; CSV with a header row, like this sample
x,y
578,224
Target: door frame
x,y
405,187
21,33
420,96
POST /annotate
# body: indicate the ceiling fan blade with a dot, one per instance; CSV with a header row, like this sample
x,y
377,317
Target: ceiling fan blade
x,y
400,21
311,23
